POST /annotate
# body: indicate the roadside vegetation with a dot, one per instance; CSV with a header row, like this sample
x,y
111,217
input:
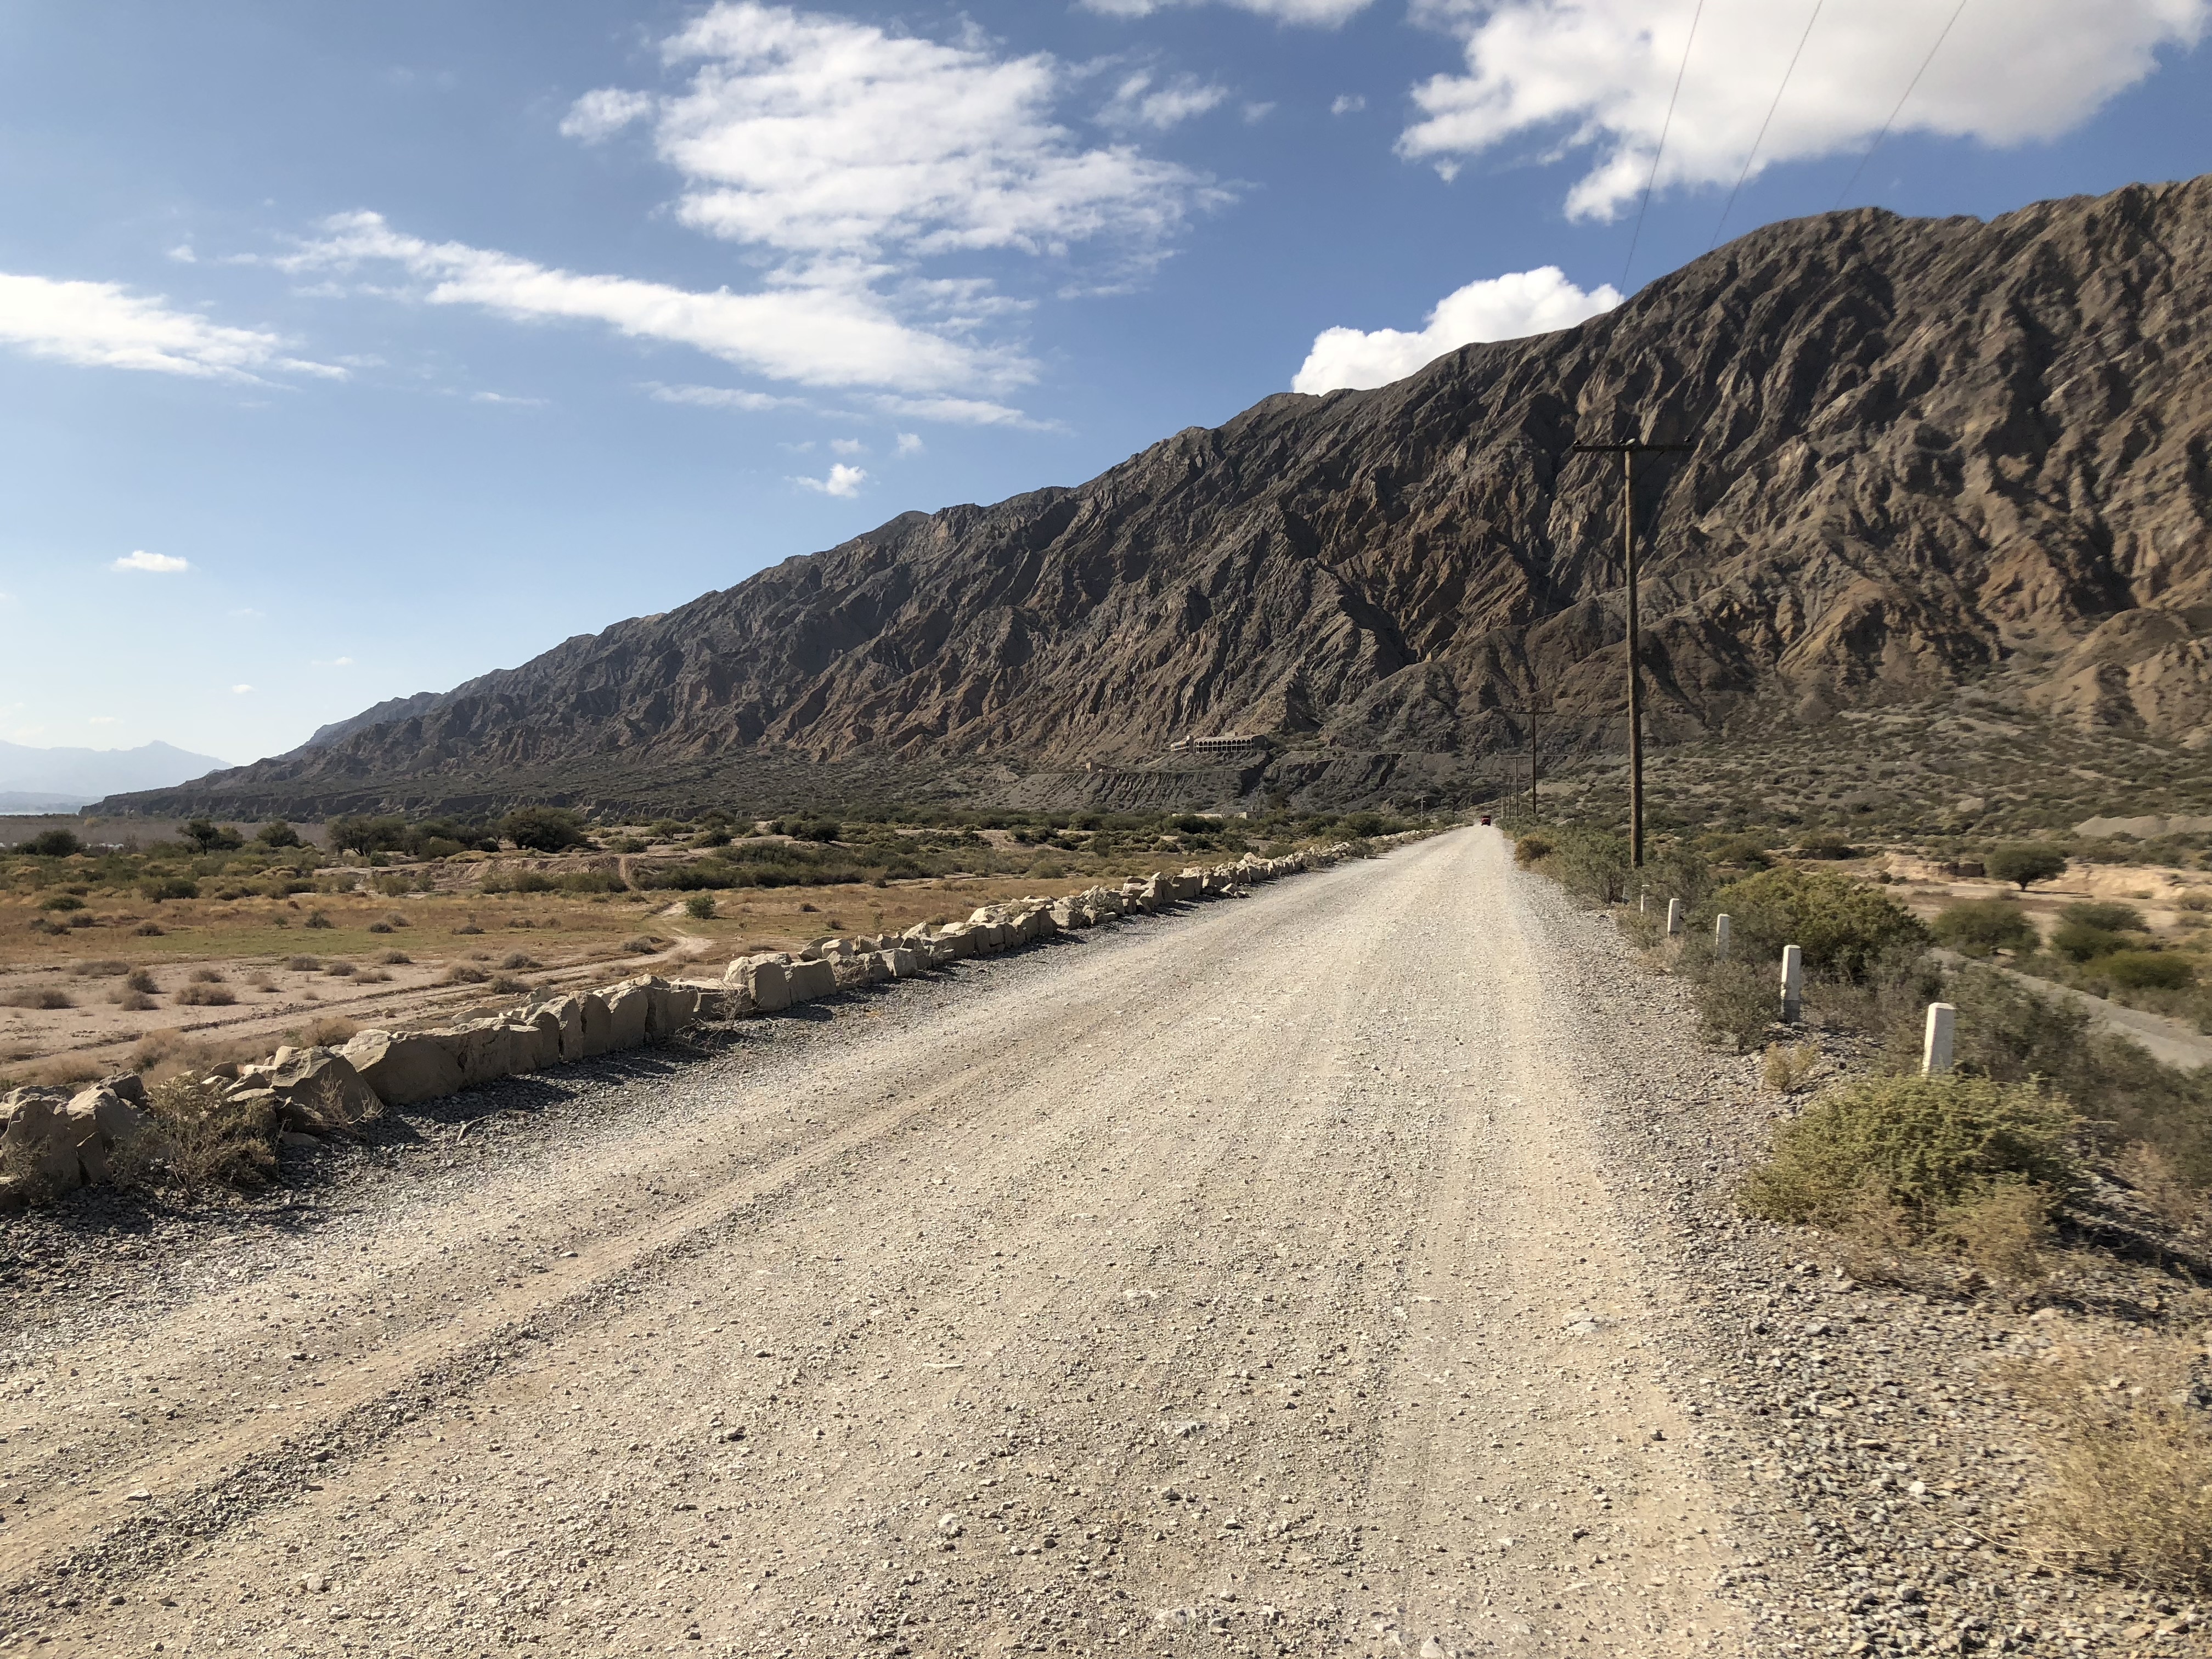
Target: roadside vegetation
x,y
2056,1165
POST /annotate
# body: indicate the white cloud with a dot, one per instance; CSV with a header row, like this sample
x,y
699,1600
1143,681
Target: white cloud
x,y
240,690
956,411
910,443
503,397
1138,102
1498,308
1328,13
104,325
161,563
1597,75
847,446
102,719
828,332
183,254
819,136
716,397
1349,103
331,662
603,113
843,480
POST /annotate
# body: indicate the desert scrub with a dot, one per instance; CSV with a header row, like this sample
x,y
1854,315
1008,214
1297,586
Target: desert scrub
x,y
1926,1145
2126,1486
41,996
1533,849
1975,927
1737,1002
200,995
1843,925
210,1141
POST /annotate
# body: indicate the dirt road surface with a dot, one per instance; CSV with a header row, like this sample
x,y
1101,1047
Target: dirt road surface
x,y
1279,1278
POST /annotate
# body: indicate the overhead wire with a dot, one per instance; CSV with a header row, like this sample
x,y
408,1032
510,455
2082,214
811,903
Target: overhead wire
x,y
1753,153
1665,127
1899,110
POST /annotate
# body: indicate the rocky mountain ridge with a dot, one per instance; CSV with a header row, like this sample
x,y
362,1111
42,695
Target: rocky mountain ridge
x,y
1928,452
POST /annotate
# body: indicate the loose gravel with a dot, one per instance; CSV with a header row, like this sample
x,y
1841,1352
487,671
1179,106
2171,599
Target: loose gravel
x,y
1348,1269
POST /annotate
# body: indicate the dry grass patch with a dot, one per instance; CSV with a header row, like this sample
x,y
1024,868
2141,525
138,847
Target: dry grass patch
x,y
1787,1065
199,994
37,996
211,1142
2127,1459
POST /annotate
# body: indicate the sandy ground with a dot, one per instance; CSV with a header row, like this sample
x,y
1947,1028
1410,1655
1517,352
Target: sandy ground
x,y
1304,1274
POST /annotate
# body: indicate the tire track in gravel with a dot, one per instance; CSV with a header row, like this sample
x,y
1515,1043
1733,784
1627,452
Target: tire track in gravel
x,y
1249,1282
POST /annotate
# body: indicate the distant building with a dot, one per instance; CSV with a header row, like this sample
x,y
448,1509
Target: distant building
x,y
1227,743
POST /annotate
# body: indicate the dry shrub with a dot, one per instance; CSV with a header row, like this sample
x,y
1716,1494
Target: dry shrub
x,y
1738,1002
304,964
207,976
37,996
165,1053
131,1002
210,1141
1787,1065
1925,1144
198,995
2127,1460
260,981
2151,1173
327,1031
393,919
644,944
519,959
66,1072
1532,848
509,985
107,969
339,969
2002,1230
371,977
379,926
140,980
149,930
461,974
469,929
394,958
317,919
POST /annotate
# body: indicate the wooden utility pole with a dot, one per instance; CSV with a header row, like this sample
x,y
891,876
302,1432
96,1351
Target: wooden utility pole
x,y
1628,452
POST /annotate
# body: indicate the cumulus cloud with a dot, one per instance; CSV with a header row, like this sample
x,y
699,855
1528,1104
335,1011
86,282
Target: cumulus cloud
x,y
603,113
819,333
847,446
1327,13
955,411
241,689
106,325
1139,102
821,136
843,480
910,443
160,563
1497,308
1596,77
1348,103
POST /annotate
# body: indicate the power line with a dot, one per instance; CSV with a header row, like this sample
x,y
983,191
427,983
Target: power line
x,y
1899,110
1753,153
1665,127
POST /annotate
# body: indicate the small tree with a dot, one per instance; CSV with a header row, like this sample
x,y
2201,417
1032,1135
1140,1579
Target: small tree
x,y
2025,865
206,836
277,833
53,844
543,829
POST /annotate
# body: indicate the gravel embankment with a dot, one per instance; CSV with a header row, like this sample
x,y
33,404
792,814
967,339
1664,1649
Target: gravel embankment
x,y
1346,1269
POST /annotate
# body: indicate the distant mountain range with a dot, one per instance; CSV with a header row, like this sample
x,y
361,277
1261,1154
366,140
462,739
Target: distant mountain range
x,y
63,780
1926,451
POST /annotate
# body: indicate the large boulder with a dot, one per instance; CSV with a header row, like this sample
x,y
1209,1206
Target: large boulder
x,y
669,1009
764,981
599,1025
566,1013
405,1069
630,1006
315,1091
901,963
39,1140
866,970
811,980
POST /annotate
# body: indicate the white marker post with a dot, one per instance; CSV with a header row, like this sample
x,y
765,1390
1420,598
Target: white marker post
x,y
1936,1049
1793,984
1674,917
1721,927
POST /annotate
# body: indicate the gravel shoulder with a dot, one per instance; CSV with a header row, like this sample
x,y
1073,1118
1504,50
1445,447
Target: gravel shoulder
x,y
1346,1269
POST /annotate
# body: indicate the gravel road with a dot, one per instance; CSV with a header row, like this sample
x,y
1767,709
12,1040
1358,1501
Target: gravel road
x,y
1330,1271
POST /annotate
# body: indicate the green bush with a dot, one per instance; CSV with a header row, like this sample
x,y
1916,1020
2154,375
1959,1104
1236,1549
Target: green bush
x,y
543,829
2079,942
1841,925
2112,918
205,836
2147,970
700,907
277,833
1738,1001
1975,927
1533,849
52,844
1592,864
1921,1144
2025,864
158,887
62,901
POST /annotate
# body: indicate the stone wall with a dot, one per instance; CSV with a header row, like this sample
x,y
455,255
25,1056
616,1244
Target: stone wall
x,y
53,1140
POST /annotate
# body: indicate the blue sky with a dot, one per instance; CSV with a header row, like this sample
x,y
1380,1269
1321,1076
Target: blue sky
x,y
351,352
